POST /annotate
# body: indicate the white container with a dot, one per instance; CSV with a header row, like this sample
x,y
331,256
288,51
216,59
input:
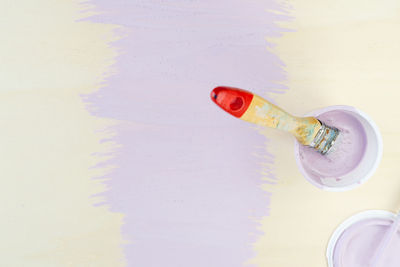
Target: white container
x,y
361,230
367,165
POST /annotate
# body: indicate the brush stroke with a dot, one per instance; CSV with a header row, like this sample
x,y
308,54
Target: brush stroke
x,y
187,177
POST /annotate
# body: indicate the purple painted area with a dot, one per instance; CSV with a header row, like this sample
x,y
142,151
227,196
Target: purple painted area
x,y
187,175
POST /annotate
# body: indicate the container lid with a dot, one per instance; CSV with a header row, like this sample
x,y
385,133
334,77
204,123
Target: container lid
x,y
356,241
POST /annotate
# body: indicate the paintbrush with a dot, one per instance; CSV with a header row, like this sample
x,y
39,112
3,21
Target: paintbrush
x,y
252,108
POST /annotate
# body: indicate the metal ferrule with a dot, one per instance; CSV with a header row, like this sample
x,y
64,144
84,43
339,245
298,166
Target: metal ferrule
x,y
325,138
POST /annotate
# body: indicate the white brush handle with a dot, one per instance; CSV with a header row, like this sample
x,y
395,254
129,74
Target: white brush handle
x,y
380,251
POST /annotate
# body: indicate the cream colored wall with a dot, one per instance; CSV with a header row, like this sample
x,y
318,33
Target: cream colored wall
x,y
48,137
342,52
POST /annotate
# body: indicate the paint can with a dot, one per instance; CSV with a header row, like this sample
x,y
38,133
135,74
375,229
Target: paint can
x,y
369,158
355,242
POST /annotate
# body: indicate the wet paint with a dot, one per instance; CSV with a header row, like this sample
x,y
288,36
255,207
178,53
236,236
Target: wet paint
x,y
354,157
358,240
346,154
187,180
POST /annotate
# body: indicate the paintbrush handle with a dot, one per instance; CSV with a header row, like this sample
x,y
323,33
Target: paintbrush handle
x,y
263,112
